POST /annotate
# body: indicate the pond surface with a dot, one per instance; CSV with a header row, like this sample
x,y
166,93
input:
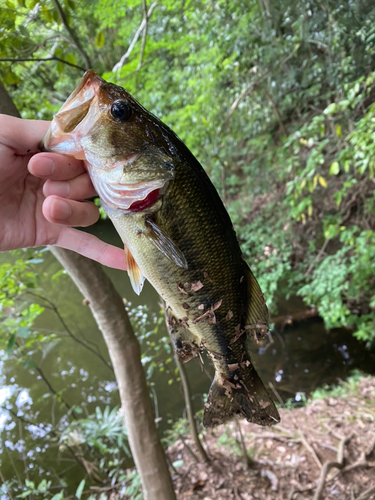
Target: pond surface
x,y
295,361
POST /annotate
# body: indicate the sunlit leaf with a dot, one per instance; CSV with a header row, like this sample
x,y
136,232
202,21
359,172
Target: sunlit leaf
x,y
58,496
99,39
334,169
70,58
330,109
322,181
80,489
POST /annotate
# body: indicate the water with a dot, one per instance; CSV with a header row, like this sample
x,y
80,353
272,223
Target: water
x,y
295,361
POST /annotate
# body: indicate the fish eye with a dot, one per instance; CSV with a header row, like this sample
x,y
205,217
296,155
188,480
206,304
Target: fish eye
x,y
121,111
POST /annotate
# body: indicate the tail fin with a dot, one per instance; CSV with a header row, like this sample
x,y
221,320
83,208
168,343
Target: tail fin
x,y
228,398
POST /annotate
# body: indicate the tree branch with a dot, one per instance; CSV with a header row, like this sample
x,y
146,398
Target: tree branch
x,y
55,309
329,465
144,38
37,59
120,64
64,20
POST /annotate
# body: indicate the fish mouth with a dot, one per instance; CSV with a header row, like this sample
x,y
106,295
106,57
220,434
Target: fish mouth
x,y
75,119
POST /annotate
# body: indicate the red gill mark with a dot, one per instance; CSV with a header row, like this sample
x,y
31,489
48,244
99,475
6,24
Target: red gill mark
x,y
150,199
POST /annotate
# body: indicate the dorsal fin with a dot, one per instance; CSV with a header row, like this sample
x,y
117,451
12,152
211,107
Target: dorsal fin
x,y
257,313
136,277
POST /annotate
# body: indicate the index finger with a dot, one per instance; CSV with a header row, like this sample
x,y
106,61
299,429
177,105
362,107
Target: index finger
x,y
23,136
55,166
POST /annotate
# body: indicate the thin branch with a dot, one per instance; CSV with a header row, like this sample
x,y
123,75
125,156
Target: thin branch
x,y
242,443
144,37
5,485
188,449
366,494
320,253
54,392
54,308
329,465
19,417
38,59
72,35
277,112
120,64
51,431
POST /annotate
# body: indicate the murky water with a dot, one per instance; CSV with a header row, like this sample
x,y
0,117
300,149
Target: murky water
x,y
297,360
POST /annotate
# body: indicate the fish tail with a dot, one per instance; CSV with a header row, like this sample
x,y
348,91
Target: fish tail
x,y
248,399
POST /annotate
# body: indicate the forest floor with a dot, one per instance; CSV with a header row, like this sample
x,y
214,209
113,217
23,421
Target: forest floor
x,y
325,450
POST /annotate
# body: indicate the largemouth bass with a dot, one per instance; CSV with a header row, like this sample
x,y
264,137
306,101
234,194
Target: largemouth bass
x,y
176,233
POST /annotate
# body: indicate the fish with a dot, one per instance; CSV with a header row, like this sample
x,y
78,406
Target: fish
x,y
177,234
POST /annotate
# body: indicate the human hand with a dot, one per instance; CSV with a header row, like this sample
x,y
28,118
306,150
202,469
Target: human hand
x,y
41,196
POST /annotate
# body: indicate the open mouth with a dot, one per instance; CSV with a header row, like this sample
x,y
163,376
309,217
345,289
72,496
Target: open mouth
x,y
76,117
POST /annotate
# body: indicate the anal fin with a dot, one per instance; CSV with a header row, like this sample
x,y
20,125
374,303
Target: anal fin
x,y
136,277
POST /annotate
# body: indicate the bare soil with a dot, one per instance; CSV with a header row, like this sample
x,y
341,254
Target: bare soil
x,y
325,450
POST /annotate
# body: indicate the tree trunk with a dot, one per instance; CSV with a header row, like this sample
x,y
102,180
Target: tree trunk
x,y
124,350
7,106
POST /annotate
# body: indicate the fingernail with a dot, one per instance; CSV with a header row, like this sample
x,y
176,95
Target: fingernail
x,y
44,167
61,188
60,209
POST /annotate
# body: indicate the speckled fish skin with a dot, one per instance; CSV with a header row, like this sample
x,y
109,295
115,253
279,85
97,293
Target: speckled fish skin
x,y
213,303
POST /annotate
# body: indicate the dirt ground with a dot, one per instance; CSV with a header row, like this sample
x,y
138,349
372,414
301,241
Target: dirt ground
x,y
325,450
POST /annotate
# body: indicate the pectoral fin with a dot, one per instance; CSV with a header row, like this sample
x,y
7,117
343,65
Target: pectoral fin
x,y
136,277
164,244
257,312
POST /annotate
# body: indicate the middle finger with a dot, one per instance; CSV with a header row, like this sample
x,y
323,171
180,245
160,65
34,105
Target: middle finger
x,y
78,188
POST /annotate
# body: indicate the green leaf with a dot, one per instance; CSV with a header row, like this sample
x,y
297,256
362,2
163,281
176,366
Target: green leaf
x,y
330,109
25,494
44,485
23,332
29,364
99,39
178,463
80,489
58,496
335,168
70,59
11,343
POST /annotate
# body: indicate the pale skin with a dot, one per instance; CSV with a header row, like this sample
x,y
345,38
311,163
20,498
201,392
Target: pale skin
x,y
42,195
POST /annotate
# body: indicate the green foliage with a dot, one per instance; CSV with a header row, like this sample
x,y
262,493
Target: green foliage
x,y
18,311
104,431
177,428
342,390
155,347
